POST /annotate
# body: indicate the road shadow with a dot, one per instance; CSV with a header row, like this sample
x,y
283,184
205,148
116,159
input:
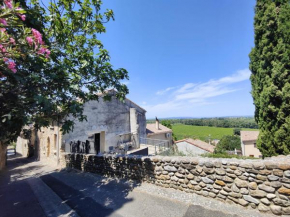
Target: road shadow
x,y
90,194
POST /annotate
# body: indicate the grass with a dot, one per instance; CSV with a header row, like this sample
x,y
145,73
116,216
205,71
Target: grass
x,y
182,131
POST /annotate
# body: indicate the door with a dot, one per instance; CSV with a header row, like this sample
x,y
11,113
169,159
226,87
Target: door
x,y
97,143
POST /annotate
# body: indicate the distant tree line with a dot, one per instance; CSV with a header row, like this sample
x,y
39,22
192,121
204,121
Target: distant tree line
x,y
239,122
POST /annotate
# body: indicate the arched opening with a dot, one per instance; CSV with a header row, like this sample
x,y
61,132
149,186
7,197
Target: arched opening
x,y
48,147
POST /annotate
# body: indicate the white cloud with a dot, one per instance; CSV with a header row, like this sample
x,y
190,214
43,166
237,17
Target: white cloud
x,y
161,92
192,95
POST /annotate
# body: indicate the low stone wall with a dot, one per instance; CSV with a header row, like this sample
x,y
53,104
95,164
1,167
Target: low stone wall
x,y
259,184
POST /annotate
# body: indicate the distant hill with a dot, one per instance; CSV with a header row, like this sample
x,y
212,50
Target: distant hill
x,y
226,122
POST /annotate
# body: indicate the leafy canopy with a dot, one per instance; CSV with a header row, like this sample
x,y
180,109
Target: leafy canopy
x,y
49,91
228,143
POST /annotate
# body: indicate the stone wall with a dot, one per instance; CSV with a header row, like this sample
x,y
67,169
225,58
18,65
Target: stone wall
x,y
258,184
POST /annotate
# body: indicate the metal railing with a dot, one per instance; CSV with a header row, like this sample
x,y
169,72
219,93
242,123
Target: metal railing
x,y
159,145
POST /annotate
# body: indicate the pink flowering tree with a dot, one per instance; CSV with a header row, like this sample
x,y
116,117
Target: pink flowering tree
x,y
17,41
52,62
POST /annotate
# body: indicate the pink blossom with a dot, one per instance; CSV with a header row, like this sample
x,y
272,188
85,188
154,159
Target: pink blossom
x,y
12,41
22,16
2,30
5,59
12,66
8,3
37,36
3,21
47,53
2,48
41,50
29,40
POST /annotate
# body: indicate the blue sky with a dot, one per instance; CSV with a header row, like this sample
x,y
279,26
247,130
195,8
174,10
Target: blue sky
x,y
184,58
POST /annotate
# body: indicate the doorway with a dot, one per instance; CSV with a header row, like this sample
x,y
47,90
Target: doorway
x,y
97,144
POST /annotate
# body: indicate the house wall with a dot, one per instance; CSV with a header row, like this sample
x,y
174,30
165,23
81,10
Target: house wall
x,y
161,136
43,144
251,150
22,146
189,149
47,140
110,118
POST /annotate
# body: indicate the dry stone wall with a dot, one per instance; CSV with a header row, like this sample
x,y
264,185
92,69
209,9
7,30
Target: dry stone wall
x,y
259,184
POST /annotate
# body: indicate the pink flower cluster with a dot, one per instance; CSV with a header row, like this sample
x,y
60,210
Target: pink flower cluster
x,y
3,21
37,36
22,16
37,40
8,4
10,64
44,51
2,49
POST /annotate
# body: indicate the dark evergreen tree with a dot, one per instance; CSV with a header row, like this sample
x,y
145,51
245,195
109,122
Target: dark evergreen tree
x,y
270,66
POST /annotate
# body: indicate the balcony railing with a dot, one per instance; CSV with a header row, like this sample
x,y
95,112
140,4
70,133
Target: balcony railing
x,y
155,146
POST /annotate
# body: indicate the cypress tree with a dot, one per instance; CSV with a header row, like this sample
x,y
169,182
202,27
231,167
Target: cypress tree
x,y
270,66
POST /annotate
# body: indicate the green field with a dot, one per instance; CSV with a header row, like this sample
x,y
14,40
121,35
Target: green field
x,y
182,131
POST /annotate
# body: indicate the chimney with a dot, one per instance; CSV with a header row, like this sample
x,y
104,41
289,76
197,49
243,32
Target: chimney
x,y
157,124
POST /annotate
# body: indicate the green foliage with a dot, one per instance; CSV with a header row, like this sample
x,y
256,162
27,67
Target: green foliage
x,y
237,131
228,122
182,131
270,66
228,143
45,92
167,123
225,155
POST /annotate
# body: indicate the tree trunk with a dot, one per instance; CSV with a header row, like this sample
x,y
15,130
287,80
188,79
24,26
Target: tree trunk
x,y
3,149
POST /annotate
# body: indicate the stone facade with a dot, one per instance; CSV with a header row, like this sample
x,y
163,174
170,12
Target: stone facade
x,y
259,184
109,119
106,120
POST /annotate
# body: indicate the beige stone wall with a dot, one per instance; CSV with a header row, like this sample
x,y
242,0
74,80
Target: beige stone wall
x,y
22,146
255,184
250,149
47,140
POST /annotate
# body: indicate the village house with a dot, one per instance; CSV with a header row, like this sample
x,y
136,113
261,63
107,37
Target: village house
x,y
111,126
248,144
193,147
157,131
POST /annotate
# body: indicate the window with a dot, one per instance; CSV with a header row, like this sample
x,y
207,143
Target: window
x,y
255,145
251,155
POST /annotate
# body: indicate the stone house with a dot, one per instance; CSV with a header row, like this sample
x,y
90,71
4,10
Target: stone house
x,y
194,147
157,131
108,124
248,144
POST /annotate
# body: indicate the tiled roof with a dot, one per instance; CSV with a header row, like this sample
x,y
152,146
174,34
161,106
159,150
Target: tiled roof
x,y
198,143
249,135
151,129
